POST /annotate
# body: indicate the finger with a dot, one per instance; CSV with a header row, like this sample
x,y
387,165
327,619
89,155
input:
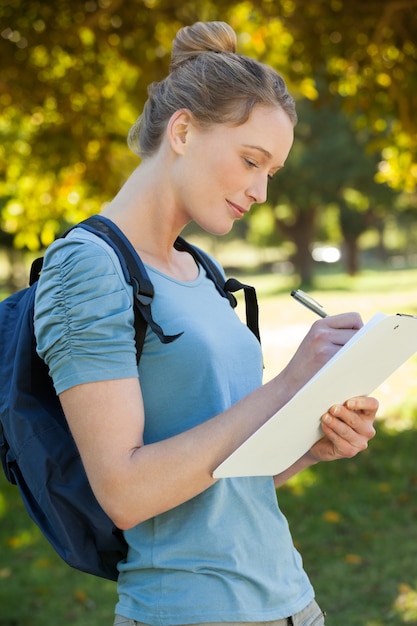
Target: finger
x,y
349,426
336,329
346,443
365,404
352,321
360,421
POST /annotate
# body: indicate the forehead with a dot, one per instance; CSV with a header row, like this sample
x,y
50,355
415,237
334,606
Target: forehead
x,y
268,130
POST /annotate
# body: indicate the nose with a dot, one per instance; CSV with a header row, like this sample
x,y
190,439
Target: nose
x,y
258,189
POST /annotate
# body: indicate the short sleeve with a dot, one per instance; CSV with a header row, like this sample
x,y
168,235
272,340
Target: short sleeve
x,y
84,320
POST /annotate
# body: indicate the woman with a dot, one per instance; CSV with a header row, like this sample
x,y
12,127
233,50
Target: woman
x,y
200,551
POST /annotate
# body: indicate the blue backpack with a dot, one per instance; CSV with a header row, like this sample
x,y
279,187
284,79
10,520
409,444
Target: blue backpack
x,y
37,450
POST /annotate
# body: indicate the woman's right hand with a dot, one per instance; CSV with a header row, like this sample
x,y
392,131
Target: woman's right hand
x,y
325,337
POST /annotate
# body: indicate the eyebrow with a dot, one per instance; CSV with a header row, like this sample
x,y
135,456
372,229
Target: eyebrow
x,y
265,152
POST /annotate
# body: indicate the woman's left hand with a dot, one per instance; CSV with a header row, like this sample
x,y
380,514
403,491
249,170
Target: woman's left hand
x,y
348,428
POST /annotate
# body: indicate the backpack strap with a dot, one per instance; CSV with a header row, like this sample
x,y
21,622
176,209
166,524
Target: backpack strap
x,y
226,287
136,275
251,304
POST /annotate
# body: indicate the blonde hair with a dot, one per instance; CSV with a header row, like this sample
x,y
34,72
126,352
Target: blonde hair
x,y
211,80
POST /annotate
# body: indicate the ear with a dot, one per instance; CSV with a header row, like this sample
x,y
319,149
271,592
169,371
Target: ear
x,y
178,129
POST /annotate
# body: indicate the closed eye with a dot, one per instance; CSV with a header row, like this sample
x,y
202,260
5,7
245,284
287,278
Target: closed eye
x,y
251,163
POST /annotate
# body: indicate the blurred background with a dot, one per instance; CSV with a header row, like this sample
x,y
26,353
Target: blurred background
x,y
340,221
74,75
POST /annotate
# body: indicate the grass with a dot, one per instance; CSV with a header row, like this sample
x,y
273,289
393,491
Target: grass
x,y
36,587
354,521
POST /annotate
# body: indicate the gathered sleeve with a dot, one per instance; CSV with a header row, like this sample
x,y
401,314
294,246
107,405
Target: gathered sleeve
x,y
84,320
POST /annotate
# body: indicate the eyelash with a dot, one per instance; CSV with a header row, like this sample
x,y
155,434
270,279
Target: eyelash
x,y
252,164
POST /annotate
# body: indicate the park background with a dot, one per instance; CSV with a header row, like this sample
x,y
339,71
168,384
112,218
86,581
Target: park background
x,y
340,221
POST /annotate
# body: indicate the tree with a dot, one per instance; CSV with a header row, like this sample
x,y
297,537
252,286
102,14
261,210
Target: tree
x,y
367,53
328,165
74,77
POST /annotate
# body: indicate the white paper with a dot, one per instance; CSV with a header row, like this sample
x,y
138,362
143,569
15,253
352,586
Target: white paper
x,y
378,349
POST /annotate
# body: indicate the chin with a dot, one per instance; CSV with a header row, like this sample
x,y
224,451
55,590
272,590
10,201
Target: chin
x,y
218,230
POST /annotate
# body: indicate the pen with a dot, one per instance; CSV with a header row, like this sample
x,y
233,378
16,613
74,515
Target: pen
x,y
309,302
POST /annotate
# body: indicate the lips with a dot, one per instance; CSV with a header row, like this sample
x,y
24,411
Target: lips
x,y
237,209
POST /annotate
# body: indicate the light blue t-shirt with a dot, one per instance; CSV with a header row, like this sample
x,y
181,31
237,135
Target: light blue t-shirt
x,y
226,554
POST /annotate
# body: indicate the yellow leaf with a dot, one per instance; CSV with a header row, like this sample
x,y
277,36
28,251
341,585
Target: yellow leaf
x,y
353,559
332,516
80,596
384,487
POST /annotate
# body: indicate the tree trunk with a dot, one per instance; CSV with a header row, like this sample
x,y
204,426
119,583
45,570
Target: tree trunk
x,y
352,255
301,233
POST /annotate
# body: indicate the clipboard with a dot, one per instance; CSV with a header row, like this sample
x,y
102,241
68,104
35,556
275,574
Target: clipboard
x,y
379,348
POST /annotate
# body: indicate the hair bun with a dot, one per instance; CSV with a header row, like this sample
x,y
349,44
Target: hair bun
x,y
199,38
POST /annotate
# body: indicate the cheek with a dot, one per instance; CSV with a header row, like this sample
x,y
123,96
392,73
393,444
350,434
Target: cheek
x,y
224,174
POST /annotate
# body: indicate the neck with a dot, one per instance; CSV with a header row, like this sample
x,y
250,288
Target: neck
x,y
145,210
